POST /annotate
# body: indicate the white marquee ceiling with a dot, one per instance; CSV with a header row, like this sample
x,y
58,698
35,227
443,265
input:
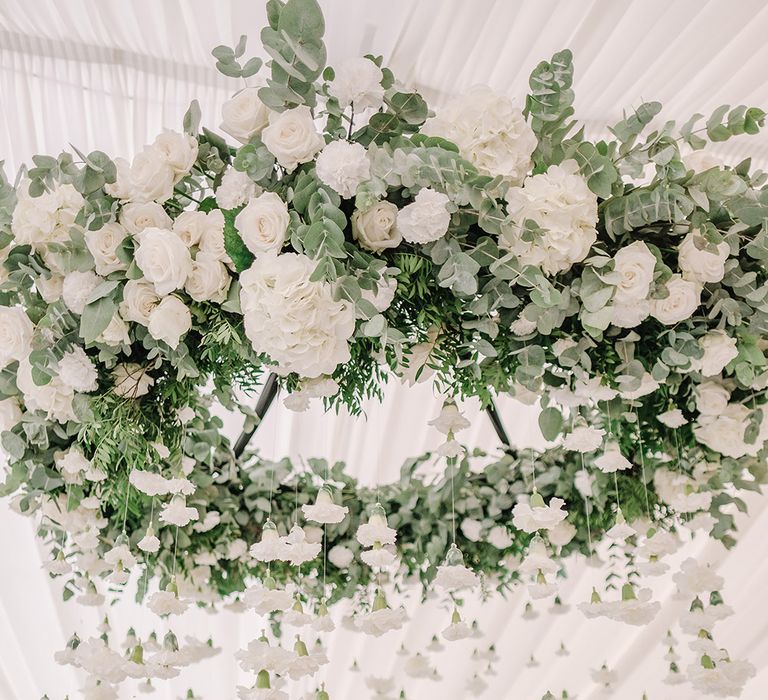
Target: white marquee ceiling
x,y
110,74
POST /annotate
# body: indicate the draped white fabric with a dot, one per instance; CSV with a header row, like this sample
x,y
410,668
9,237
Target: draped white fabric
x,y
111,74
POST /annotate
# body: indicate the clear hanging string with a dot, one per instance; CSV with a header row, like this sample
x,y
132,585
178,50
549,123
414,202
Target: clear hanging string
x,y
642,465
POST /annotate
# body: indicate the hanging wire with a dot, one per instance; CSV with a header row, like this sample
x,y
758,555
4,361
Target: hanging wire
x,y
452,466
642,465
615,473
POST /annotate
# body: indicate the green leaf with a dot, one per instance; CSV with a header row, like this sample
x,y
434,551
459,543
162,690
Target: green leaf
x,y
14,445
242,258
96,317
192,118
550,423
409,106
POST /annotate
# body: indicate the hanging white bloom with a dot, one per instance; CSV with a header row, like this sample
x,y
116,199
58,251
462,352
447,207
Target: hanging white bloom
x,y
604,676
620,531
561,534
611,460
120,560
673,418
376,529
58,565
634,608
261,692
537,559
266,597
722,678
450,420
167,602
379,557
435,645
584,438
694,578
271,547
149,543
537,515
426,219
177,513
261,656
300,550
417,666
380,686
476,685
382,618
699,618
323,622
304,664
296,617
453,575
324,510
458,629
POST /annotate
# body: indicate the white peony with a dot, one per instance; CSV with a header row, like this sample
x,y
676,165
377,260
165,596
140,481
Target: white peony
x,y
699,262
375,228
563,207
244,115
54,398
10,414
711,397
139,299
103,244
682,300
136,216
340,556
209,279
15,334
426,219
38,221
77,370
635,264
292,137
235,189
164,259
296,322
719,349
131,380
357,82
490,132
169,321
343,166
263,223
77,288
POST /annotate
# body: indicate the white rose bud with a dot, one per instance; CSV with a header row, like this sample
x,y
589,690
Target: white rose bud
x,y
711,398
103,245
635,264
375,228
139,298
164,259
131,380
426,219
178,150
77,287
235,189
343,166
10,414
209,280
137,216
263,223
292,137
697,260
245,115
358,82
15,334
681,302
719,349
169,321
152,177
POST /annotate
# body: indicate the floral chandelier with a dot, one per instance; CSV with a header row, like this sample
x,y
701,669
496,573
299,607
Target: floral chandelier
x,y
352,235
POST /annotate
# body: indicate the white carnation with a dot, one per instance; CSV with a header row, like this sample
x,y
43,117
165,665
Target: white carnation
x,y
426,219
244,116
235,189
357,82
682,300
490,132
293,320
169,321
77,370
77,287
263,223
54,399
292,137
562,205
38,221
15,334
164,259
343,166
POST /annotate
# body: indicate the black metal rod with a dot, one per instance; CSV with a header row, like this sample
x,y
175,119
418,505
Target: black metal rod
x,y
498,426
267,396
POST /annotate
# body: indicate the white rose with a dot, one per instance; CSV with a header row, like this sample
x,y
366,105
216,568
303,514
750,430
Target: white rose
x,y
263,223
139,298
383,296
209,279
77,370
77,287
164,259
137,216
235,189
630,315
681,302
116,332
490,132
54,398
131,380
340,556
245,115
169,321
10,414
103,245
343,166
292,137
213,237
635,264
295,321
122,187
711,398
698,262
426,219
563,207
15,334
50,287
357,82
178,150
152,177
190,226
375,228
724,432
719,349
